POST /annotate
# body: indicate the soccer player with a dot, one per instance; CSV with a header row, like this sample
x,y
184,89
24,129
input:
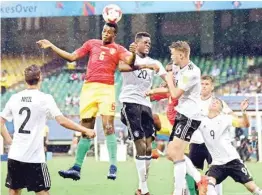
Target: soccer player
x,y
187,90
98,91
198,151
29,109
136,113
215,128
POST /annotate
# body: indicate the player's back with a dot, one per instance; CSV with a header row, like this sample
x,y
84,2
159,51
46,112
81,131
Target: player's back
x,y
216,134
189,80
29,110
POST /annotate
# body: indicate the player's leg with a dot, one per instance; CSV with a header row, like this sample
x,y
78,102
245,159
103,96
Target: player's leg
x,y
131,116
181,133
15,179
38,178
88,110
15,192
239,172
211,189
197,156
253,188
216,174
108,126
208,158
43,193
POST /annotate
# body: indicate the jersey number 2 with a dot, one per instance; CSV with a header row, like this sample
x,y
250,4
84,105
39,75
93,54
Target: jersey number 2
x,y
28,114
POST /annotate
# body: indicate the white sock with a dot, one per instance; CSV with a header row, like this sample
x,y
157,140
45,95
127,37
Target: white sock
x,y
211,189
148,162
180,177
141,169
257,191
191,170
219,189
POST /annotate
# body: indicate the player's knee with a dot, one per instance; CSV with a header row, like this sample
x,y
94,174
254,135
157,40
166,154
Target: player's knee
x,y
109,129
14,192
140,147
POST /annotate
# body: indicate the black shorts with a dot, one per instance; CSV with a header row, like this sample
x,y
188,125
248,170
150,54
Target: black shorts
x,y
198,153
234,169
139,121
184,127
33,176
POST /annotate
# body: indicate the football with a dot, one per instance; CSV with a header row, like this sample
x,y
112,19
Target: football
x,y
112,13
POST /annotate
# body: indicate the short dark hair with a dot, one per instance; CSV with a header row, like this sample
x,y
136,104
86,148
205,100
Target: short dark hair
x,y
139,35
32,75
113,25
209,78
182,46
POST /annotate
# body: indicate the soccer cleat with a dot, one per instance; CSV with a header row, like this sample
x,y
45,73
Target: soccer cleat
x,y
155,154
202,185
70,173
112,172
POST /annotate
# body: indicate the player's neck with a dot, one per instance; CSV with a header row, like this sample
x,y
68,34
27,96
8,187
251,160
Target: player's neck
x,y
107,43
141,55
185,63
32,87
212,114
206,97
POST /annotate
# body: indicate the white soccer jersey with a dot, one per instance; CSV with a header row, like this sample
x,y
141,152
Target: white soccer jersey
x,y
136,83
29,110
197,137
216,134
188,79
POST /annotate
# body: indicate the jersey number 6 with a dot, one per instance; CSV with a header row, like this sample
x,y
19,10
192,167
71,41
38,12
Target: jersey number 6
x,y
28,114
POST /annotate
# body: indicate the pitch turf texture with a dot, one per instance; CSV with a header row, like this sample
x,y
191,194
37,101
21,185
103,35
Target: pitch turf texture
x,y
93,178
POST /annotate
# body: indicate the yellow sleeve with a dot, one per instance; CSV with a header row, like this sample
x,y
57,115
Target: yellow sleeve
x,y
235,122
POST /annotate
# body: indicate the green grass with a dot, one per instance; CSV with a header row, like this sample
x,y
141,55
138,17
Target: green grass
x,y
94,182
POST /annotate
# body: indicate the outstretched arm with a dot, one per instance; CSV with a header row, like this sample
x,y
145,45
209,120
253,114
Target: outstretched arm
x,y
64,54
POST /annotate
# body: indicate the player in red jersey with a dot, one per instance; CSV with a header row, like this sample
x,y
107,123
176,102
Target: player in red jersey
x,y
98,91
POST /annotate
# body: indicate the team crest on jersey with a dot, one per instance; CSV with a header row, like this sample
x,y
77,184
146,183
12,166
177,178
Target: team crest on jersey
x,y
136,134
112,51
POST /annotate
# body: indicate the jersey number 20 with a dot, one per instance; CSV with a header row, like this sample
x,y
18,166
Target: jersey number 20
x,y
28,114
142,74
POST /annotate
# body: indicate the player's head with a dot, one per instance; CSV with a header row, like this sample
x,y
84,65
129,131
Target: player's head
x,y
180,52
216,105
33,75
143,41
207,85
109,32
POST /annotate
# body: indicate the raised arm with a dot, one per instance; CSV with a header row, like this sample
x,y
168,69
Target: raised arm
x,y
244,120
64,54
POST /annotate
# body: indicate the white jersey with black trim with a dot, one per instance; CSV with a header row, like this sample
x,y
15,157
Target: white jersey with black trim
x,y
197,137
188,79
29,110
217,137
136,83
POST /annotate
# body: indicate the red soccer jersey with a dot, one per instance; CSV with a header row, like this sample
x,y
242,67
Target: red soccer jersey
x,y
103,60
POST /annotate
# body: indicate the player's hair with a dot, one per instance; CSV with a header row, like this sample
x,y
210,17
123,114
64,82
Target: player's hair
x,y
32,75
139,35
113,25
209,78
182,46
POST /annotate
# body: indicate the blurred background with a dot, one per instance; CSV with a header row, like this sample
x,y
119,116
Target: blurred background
x,y
225,39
